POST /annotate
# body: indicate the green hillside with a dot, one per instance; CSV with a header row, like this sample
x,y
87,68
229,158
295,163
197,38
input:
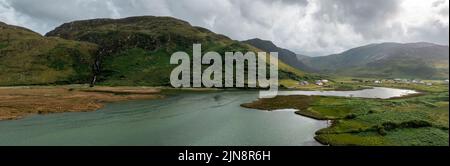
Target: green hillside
x,y
136,50
27,58
388,60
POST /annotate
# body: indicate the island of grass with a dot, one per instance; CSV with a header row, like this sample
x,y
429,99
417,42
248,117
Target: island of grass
x,y
418,120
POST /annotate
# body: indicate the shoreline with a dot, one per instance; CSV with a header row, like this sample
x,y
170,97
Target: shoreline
x,y
20,102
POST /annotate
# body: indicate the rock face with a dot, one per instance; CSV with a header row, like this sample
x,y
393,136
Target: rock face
x,y
411,60
136,50
27,58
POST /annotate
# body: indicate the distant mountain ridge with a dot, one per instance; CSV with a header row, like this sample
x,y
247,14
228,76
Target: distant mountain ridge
x,y
285,55
411,60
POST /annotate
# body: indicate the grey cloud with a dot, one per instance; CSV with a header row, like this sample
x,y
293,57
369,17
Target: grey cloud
x,y
436,31
312,26
366,17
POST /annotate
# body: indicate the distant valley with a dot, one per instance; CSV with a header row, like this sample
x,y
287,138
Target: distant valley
x,y
388,60
384,60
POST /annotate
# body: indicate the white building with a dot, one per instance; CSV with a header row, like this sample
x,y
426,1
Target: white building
x,y
303,83
319,82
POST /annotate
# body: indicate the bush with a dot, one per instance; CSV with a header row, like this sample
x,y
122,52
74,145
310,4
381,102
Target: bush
x,y
390,125
415,124
350,116
381,130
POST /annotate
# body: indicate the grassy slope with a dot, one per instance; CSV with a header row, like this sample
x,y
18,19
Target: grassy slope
x,y
285,55
419,120
27,58
136,50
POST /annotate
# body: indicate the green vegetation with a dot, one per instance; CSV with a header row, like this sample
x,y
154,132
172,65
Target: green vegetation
x,y
137,67
3,45
27,58
414,120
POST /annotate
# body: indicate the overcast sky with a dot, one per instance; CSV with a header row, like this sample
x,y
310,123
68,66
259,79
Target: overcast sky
x,y
313,27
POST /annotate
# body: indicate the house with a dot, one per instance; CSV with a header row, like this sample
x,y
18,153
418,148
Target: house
x,y
319,82
377,82
325,81
303,83
429,84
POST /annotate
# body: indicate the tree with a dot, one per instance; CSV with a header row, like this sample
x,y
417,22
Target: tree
x,y
8,37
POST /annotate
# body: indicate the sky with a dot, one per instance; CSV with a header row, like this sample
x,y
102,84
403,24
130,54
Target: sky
x,y
311,27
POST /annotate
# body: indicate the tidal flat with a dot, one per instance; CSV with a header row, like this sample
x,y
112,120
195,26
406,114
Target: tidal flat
x,y
19,102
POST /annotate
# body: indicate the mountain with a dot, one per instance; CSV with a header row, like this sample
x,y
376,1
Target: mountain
x,y
27,58
137,50
388,60
302,57
284,55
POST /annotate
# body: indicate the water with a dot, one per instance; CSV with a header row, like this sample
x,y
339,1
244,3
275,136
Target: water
x,y
377,92
184,119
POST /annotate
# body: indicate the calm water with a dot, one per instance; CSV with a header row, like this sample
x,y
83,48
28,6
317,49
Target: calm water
x,y
185,119
377,92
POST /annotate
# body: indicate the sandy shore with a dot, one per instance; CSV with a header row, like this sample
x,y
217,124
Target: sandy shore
x,y
18,102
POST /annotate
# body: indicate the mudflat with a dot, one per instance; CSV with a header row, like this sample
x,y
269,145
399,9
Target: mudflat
x,y
18,102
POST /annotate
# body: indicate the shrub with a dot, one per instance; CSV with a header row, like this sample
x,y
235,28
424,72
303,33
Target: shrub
x,y
390,125
381,130
415,124
350,116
